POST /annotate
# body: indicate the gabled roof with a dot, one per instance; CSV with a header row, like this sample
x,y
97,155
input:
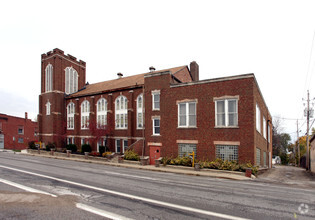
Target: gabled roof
x,y
125,83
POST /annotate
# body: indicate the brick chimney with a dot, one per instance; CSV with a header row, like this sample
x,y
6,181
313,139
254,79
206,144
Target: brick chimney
x,y
194,71
25,115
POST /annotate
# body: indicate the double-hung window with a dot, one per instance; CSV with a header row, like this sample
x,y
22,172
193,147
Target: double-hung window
x,y
85,114
140,111
264,128
226,112
156,100
70,116
121,114
156,126
187,114
101,113
258,119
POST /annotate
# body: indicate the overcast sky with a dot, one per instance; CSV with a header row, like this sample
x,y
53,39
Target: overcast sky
x,y
272,39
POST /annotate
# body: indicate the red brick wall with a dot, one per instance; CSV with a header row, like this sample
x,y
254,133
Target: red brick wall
x,y
132,133
205,133
10,126
52,127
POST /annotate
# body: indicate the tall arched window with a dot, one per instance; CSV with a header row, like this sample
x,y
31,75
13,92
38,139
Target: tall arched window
x,y
101,113
71,80
48,78
85,114
121,117
140,110
70,115
48,108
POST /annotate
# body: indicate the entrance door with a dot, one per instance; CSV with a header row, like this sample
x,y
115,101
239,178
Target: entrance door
x,y
1,141
155,153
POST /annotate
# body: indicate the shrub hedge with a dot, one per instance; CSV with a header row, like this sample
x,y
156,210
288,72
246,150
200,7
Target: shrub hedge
x,y
131,155
72,147
218,164
86,148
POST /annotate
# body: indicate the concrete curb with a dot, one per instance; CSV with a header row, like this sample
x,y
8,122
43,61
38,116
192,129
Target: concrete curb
x,y
232,175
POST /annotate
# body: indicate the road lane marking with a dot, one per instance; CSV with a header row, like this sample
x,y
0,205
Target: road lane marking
x,y
101,212
185,208
26,188
78,205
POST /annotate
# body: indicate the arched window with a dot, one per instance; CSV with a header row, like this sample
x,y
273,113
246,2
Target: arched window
x,y
140,110
121,117
70,115
71,80
85,114
101,113
48,108
48,78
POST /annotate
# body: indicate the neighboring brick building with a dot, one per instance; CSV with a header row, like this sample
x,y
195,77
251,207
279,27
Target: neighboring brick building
x,y
312,154
16,133
170,111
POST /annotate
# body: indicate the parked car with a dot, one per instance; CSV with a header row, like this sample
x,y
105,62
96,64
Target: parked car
x,y
276,160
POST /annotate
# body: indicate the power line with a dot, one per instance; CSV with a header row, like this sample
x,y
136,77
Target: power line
x,y
309,64
287,118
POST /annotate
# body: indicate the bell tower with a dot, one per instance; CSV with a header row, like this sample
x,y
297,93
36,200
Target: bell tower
x,y
61,75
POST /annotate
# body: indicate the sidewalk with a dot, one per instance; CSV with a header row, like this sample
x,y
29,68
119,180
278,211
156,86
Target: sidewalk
x,y
168,169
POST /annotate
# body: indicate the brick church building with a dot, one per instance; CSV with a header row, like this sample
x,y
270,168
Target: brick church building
x,y
159,113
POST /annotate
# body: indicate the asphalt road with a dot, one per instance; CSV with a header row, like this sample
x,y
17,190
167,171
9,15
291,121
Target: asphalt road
x,y
137,194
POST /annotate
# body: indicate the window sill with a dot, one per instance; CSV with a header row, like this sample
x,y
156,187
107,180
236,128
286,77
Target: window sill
x,y
84,129
121,128
226,127
70,129
140,128
155,109
156,135
193,127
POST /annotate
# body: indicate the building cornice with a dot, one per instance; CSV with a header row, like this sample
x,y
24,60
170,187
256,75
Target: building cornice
x,y
65,59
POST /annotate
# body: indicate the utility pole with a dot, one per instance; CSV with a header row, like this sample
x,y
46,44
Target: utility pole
x,y
307,132
298,141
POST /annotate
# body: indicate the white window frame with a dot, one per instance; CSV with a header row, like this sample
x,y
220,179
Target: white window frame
x,y
258,119
70,115
121,112
48,78
22,128
264,127
101,113
156,93
269,134
85,114
187,115
124,145
71,80
153,126
140,110
226,112
48,108
117,141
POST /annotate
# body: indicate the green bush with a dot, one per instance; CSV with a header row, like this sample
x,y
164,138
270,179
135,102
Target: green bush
x,y
50,146
86,148
217,164
72,147
131,155
31,145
